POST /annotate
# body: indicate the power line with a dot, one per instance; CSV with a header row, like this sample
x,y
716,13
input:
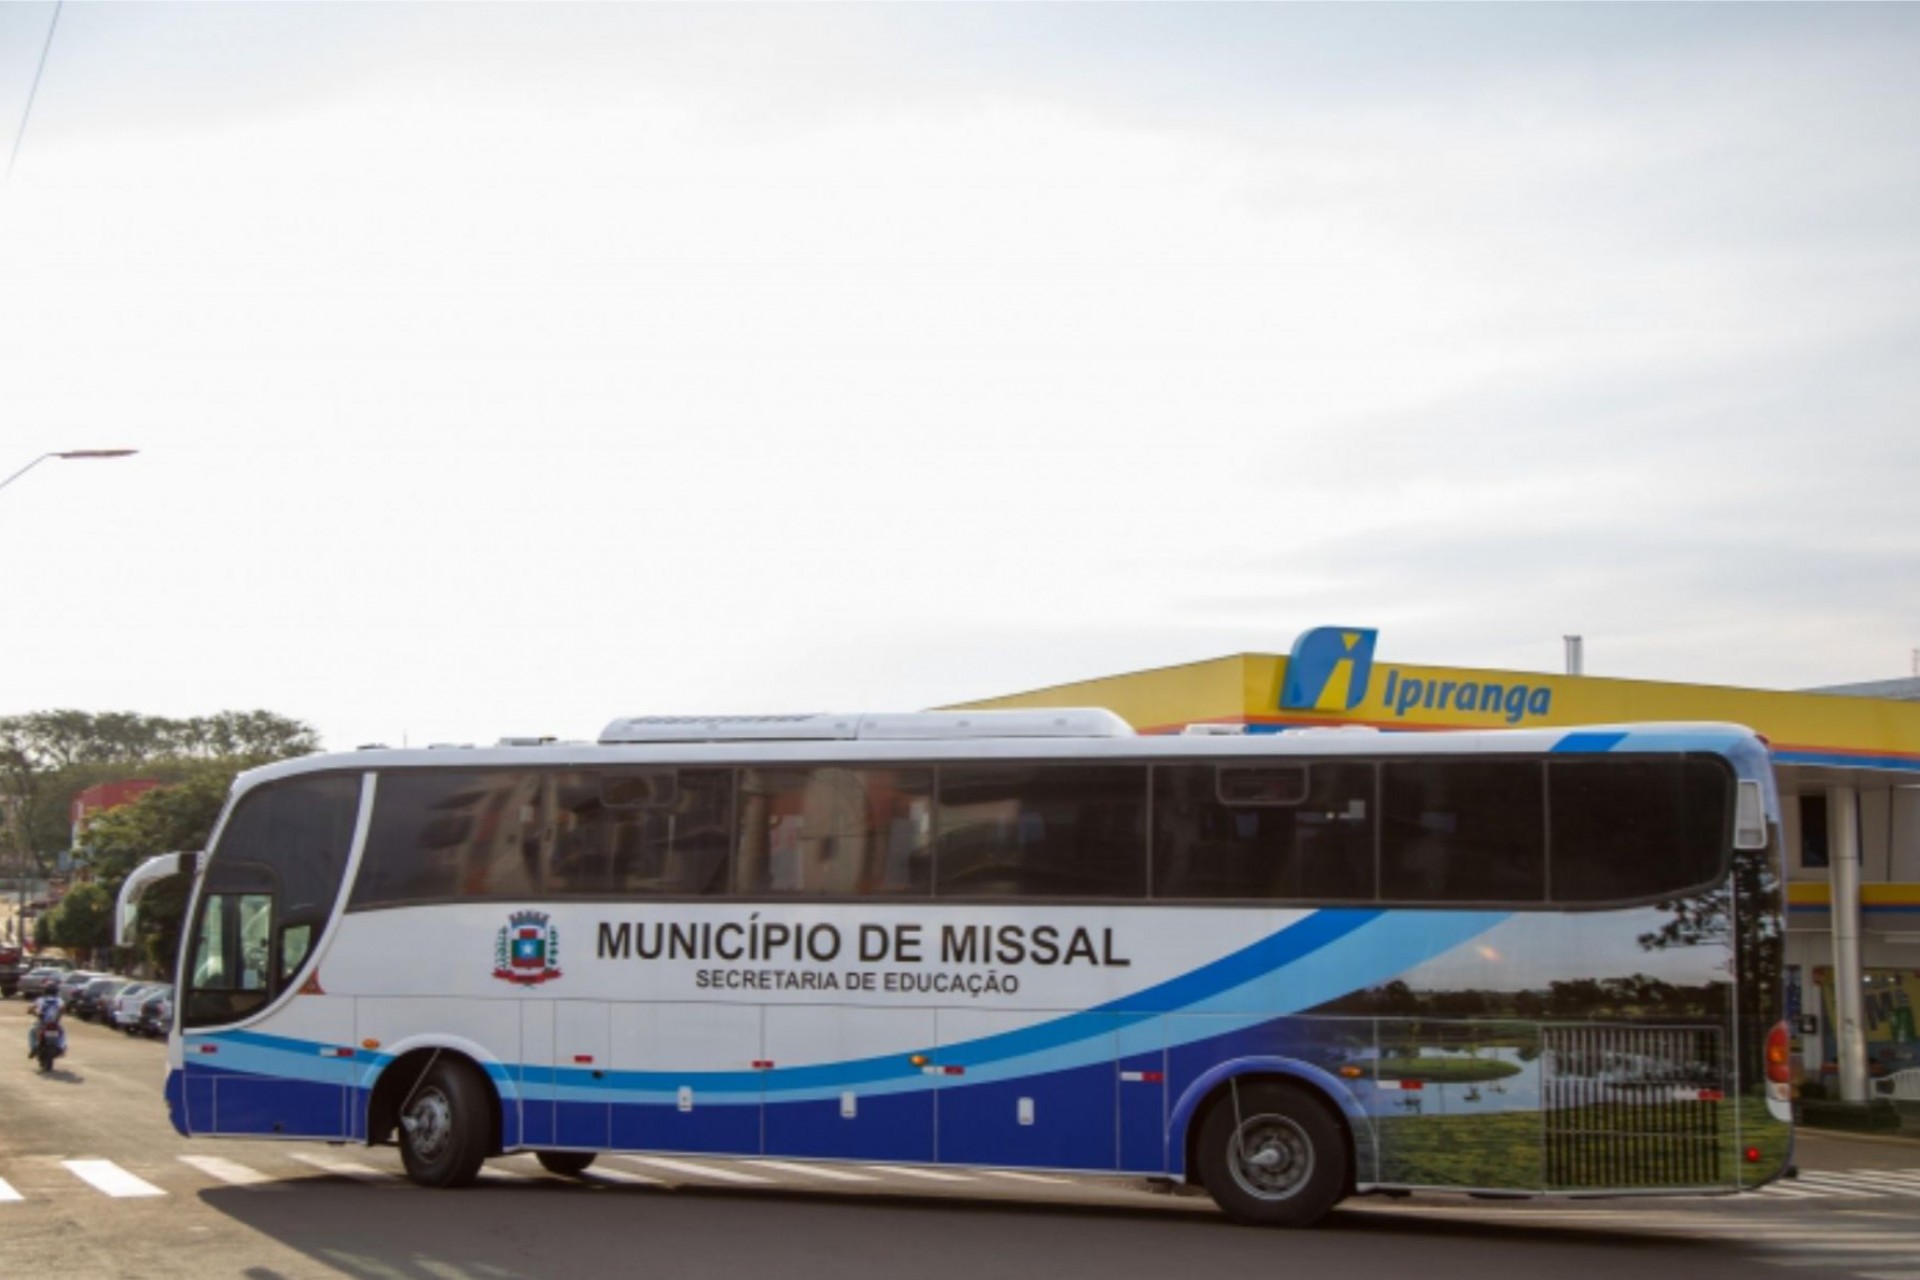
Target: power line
x,y
27,114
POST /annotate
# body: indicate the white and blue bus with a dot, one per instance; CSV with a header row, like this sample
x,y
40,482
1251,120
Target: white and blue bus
x,y
1287,967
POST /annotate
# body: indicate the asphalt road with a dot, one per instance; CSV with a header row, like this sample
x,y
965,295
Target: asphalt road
x,y
93,1182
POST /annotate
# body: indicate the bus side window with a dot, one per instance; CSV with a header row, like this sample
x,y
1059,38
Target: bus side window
x,y
256,924
231,956
1463,829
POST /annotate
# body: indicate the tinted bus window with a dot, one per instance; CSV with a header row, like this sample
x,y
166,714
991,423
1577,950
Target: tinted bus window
x,y
1218,834
1462,830
831,832
440,834
1624,830
641,834
1052,831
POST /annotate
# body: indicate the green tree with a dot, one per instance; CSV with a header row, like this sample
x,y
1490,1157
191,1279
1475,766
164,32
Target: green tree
x,y
84,919
48,757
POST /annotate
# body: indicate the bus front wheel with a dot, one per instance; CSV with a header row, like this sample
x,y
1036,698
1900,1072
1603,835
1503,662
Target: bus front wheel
x,y
1271,1155
444,1125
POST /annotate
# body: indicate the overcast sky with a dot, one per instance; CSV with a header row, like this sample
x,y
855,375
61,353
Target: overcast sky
x,y
508,369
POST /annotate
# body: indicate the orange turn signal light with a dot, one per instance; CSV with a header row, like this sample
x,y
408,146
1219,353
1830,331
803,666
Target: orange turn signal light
x,y
369,1044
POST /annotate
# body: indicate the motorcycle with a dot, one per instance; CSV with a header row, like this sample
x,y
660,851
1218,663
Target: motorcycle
x,y
46,1040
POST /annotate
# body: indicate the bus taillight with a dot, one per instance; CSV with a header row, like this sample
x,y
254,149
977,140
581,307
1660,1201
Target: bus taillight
x,y
1779,1057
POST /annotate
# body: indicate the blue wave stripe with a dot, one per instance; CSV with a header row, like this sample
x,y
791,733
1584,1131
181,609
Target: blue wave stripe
x,y
1029,1046
1588,742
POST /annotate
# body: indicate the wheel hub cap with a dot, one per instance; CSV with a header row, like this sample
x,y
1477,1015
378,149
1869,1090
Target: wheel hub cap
x,y
1272,1157
428,1121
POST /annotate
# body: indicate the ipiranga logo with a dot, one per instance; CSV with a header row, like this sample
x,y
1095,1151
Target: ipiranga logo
x,y
1331,668
1515,702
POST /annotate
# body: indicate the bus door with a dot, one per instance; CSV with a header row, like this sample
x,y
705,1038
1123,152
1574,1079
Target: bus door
x,y
536,1073
583,1096
842,1083
294,1083
1043,1092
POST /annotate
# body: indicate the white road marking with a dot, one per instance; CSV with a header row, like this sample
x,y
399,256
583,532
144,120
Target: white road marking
x,y
693,1170
7,1193
499,1174
1021,1177
811,1171
1892,1184
1891,1275
227,1171
931,1175
108,1177
344,1168
1826,1186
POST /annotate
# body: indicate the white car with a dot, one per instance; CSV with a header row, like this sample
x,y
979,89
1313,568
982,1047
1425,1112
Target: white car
x,y
124,1011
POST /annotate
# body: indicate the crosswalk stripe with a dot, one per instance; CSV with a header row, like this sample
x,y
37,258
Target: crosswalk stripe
x,y
810,1171
1851,1183
7,1193
1897,1183
1826,1188
1780,1192
1017,1176
344,1168
697,1170
110,1178
227,1171
931,1175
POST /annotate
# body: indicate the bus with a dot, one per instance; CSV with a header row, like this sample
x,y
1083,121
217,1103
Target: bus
x,y
1285,967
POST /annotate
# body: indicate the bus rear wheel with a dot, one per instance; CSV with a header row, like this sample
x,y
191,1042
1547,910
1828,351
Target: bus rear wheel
x,y
568,1164
1271,1155
444,1126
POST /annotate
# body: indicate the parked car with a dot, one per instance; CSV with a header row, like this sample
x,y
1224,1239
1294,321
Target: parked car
x,y
91,1002
156,1015
41,979
123,1011
13,967
69,986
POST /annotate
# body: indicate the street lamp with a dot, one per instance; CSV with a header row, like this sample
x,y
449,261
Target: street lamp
x,y
69,453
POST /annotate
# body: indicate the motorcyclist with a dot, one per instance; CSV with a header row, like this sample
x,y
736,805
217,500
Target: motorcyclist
x,y
46,1020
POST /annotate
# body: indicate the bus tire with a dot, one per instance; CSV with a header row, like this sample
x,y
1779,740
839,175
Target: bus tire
x,y
568,1164
1278,1158
444,1127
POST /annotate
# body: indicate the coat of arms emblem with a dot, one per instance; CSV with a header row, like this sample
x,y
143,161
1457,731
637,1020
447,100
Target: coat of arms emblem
x,y
527,950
